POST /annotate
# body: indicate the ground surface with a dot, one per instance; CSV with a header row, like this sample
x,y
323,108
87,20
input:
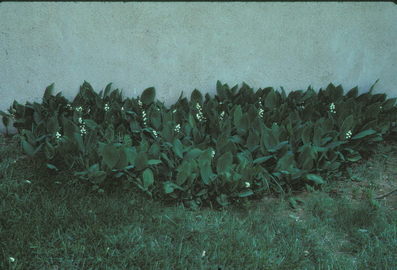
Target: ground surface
x,y
49,223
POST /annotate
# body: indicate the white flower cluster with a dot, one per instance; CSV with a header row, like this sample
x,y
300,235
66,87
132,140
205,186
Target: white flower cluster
x,y
107,108
122,108
69,107
261,113
144,118
174,111
83,130
221,116
143,112
79,109
332,108
213,153
12,259
199,115
58,135
155,133
301,107
247,184
178,128
80,120
348,134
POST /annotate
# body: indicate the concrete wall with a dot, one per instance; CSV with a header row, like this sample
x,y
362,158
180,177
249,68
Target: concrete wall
x,y
181,46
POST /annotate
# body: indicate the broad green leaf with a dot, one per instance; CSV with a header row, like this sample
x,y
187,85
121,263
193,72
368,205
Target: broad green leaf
x,y
107,90
52,167
252,140
220,90
110,155
123,160
237,115
347,123
131,154
155,119
245,193
193,154
363,134
155,150
141,161
389,104
377,139
318,133
286,162
153,162
69,128
224,163
5,118
49,150
148,96
354,158
269,139
372,111
262,159
234,139
48,92
148,179
223,200
91,124
184,171
178,148
270,101
244,157
52,125
168,187
196,97
37,117
306,133
315,178
352,92
93,168
109,133
206,173
28,148
333,145
79,141
191,121
205,166
306,157
278,146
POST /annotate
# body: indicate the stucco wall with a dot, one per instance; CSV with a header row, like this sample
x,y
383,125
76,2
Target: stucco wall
x,y
181,46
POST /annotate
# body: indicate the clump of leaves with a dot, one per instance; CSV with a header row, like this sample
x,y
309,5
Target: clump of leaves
x,y
240,143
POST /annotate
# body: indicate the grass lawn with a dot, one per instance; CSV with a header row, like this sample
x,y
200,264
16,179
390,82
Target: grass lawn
x,y
47,222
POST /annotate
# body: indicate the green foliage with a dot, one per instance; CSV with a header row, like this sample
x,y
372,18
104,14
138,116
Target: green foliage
x,y
208,148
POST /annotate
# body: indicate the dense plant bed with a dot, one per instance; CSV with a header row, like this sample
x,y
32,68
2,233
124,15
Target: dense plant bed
x,y
239,143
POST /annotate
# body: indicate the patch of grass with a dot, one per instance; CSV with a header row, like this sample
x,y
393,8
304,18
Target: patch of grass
x,y
53,223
